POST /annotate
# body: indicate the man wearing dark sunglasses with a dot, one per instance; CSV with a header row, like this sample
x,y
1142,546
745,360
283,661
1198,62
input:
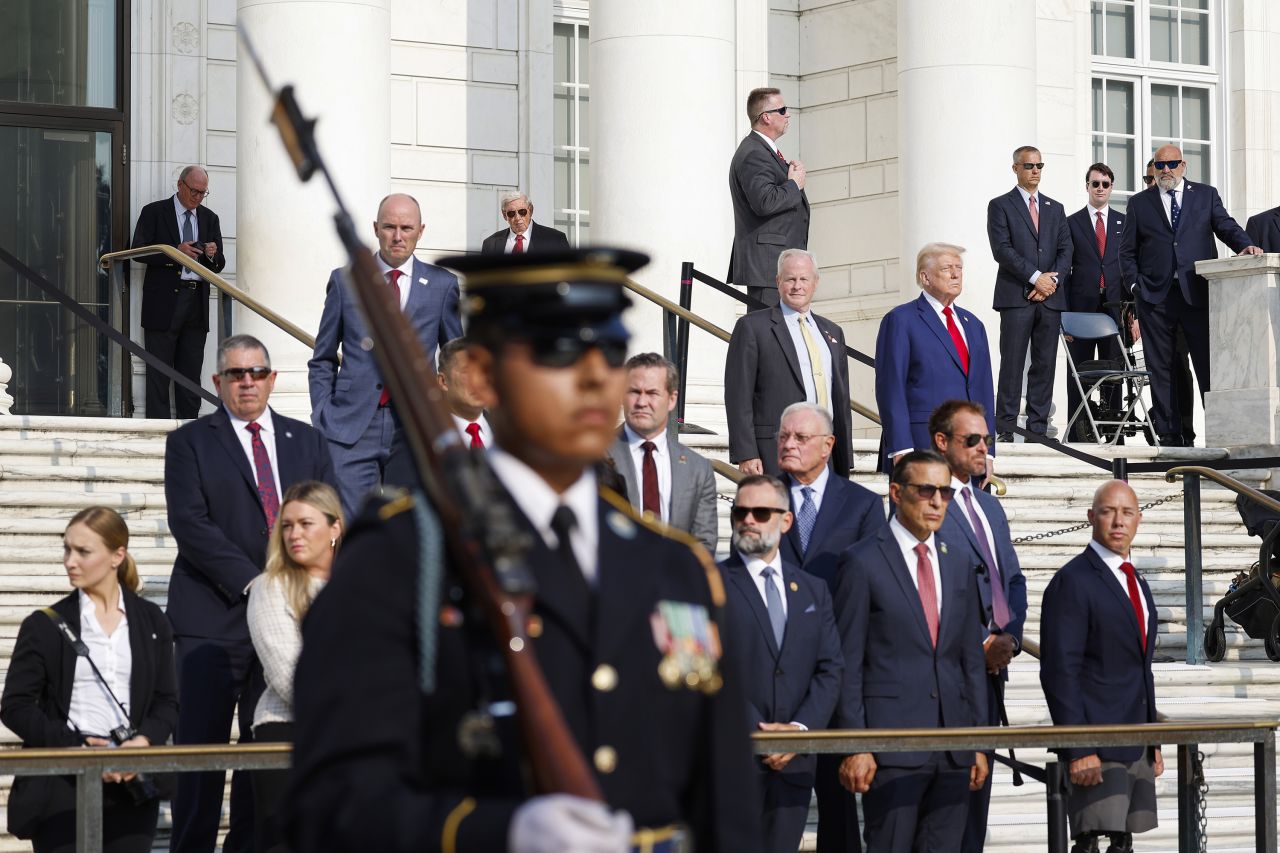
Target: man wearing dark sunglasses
x,y
770,208
522,234
1166,230
1032,244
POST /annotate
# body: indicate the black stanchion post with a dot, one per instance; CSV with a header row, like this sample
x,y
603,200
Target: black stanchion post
x,y
682,334
1188,826
1120,468
1055,807
1264,793
1194,567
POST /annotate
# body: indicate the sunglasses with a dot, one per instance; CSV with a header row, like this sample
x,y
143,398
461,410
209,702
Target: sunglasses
x,y
973,438
1161,165
1148,179
779,110
926,491
761,514
565,351
512,214
1030,166
235,374
1104,184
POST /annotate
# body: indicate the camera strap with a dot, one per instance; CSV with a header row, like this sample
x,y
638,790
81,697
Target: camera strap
x,y
82,650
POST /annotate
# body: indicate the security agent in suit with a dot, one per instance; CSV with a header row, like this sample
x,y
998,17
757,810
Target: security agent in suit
x,y
781,622
928,351
960,434
1034,254
348,402
378,761
912,660
831,513
1098,635
783,355
522,233
175,301
1157,264
1264,229
222,497
770,208
1094,286
663,477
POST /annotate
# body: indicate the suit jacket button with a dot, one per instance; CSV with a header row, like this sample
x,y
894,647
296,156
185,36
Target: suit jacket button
x,y
605,678
606,759
933,695
777,672
378,386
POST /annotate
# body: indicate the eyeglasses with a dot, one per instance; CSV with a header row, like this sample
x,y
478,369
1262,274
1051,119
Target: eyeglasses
x,y
1148,179
779,110
761,514
926,491
512,214
195,192
801,438
1030,166
235,374
1104,184
973,438
1161,165
561,352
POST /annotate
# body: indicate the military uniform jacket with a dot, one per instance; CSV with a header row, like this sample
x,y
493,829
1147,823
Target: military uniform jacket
x,y
378,764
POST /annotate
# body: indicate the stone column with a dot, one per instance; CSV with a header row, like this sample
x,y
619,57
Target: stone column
x,y
1242,412
334,52
663,110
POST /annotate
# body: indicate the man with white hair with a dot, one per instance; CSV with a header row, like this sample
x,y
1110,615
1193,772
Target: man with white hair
x,y
522,234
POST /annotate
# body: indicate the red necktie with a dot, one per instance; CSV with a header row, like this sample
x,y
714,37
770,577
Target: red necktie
x,y
650,499
1100,232
1135,598
928,592
785,164
518,248
266,479
1035,214
961,349
473,430
393,279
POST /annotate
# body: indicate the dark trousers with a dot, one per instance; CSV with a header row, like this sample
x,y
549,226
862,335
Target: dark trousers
x,y
1186,391
361,467
181,346
768,295
126,828
1110,395
838,830
786,809
975,827
268,792
1160,323
215,679
1029,327
918,809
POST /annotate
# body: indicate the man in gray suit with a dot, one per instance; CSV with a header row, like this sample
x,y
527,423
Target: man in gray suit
x,y
770,209
348,402
670,481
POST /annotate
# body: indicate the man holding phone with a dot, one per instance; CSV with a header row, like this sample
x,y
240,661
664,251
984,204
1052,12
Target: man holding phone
x,y
175,300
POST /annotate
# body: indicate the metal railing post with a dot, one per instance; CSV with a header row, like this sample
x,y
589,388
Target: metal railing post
x,y
1264,793
1194,567
119,366
1120,468
89,810
1055,807
1188,814
682,334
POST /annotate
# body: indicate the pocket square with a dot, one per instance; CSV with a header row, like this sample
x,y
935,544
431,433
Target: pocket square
x,y
812,608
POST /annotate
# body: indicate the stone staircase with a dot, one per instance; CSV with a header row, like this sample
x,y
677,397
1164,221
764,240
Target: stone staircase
x,y
52,467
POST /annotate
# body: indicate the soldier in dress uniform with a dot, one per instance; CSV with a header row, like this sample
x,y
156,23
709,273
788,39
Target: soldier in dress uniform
x,y
405,739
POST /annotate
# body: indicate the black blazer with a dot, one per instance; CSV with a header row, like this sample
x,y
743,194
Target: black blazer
x,y
542,239
1020,249
1088,267
849,512
770,213
1264,229
157,223
217,520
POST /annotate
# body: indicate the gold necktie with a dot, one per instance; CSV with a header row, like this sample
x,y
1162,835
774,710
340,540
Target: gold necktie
x,y
815,363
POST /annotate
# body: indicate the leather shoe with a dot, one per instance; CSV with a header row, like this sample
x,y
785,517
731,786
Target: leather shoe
x,y
1005,437
1172,440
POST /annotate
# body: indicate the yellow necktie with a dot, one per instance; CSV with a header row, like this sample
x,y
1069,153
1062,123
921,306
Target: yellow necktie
x,y
815,363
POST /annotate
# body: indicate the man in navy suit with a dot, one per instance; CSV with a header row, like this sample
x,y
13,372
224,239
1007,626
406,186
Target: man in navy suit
x,y
1097,637
224,475
1031,243
928,351
831,514
348,401
905,603
1264,229
780,622
522,234
1167,228
1095,276
175,301
973,516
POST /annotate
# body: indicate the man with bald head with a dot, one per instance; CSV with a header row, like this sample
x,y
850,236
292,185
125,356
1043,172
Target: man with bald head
x,y
1097,636
1167,228
175,301
349,403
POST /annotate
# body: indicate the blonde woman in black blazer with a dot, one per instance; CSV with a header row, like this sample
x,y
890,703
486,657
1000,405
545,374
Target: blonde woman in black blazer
x,y
51,698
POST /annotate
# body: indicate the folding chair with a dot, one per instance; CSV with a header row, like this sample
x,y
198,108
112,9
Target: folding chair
x,y
1106,425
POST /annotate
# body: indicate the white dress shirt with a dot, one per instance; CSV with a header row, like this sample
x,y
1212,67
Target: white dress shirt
x,y
405,281
961,489
1026,202
539,502
907,543
486,433
511,239
277,639
661,461
92,710
1113,561
773,146
181,213
755,566
819,487
268,435
792,318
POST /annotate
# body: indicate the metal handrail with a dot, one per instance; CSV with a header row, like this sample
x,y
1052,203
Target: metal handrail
x,y
172,253
1226,482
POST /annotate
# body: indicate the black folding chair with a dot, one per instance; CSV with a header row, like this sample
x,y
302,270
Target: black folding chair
x,y
1106,423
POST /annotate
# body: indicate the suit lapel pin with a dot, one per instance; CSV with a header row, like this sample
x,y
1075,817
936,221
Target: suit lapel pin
x,y
683,459
422,281
288,434
942,546
795,587
621,525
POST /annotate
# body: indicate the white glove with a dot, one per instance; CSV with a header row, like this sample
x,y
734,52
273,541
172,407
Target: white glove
x,y
560,823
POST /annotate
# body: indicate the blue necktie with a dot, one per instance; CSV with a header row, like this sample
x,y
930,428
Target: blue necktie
x,y
1174,211
806,518
188,233
773,602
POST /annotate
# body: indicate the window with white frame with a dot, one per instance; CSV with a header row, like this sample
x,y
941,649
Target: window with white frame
x,y
572,155
1155,82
